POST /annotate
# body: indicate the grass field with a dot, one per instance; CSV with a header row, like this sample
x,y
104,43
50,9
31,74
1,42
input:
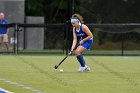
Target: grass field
x,y
35,74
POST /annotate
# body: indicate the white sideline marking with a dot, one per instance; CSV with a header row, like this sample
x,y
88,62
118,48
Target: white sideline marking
x,y
5,91
20,85
131,58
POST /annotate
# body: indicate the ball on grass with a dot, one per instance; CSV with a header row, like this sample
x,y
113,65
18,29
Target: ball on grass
x,y
61,70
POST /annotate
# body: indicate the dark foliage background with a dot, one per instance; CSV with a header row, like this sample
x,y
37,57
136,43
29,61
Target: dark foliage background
x,y
93,11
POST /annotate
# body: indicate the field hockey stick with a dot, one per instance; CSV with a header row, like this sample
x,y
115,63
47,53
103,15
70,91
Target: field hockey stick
x,y
56,66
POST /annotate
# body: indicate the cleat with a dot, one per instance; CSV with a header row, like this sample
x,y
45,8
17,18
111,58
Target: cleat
x,y
87,68
84,69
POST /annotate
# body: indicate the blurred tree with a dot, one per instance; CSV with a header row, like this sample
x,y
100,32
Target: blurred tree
x,y
34,8
54,11
94,11
110,11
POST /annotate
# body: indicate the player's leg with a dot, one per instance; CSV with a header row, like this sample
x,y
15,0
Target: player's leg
x,y
7,45
78,52
0,44
5,40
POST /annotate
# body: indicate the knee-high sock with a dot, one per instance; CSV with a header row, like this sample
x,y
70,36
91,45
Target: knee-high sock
x,y
81,60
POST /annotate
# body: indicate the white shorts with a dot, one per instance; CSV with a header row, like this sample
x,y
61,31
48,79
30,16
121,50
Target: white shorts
x,y
3,38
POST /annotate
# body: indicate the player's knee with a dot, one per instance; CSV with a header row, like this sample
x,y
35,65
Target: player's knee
x,y
77,52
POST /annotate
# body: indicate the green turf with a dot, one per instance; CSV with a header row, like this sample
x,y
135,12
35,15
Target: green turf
x,y
111,74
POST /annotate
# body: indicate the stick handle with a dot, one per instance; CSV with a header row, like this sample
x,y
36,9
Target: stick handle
x,y
56,66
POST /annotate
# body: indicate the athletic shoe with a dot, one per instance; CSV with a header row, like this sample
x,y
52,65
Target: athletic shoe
x,y
87,68
80,69
83,69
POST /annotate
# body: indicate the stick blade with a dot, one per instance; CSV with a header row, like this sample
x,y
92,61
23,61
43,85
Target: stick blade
x,y
55,66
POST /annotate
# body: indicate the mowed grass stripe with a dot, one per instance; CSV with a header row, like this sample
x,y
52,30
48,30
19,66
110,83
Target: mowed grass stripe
x,y
49,80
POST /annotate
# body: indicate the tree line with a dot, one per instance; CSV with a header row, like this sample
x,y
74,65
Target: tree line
x,y
94,11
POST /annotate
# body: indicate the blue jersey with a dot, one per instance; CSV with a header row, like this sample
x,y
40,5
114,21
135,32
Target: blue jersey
x,y
81,35
2,29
